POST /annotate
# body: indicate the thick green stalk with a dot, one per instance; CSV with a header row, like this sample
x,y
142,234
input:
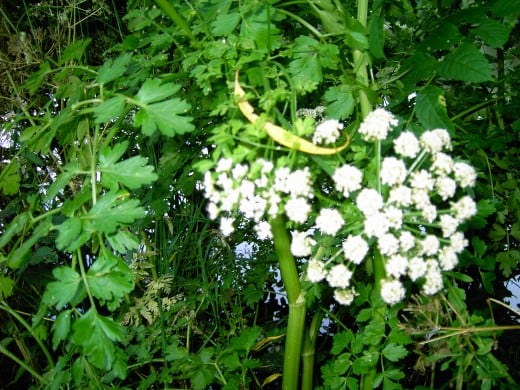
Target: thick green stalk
x,y
360,62
297,308
175,17
309,351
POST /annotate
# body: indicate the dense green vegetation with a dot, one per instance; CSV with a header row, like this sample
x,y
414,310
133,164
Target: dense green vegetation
x,y
126,264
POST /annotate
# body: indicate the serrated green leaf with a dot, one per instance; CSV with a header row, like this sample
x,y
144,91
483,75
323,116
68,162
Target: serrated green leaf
x,y
394,352
61,328
506,8
71,234
132,173
165,117
340,342
247,339
153,90
112,69
508,261
466,63
419,66
363,364
10,179
60,292
36,78
341,102
97,335
110,109
123,241
110,278
430,107
374,331
112,211
225,23
74,51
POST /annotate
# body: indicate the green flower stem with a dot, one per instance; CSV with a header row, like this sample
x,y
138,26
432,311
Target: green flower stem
x,y
297,308
309,350
22,364
175,17
360,62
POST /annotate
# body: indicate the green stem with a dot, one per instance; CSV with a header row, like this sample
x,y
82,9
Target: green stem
x,y
360,62
22,364
309,351
175,17
297,308
4,306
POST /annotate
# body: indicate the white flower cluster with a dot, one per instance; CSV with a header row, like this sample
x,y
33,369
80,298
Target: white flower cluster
x,y
413,224
327,132
257,193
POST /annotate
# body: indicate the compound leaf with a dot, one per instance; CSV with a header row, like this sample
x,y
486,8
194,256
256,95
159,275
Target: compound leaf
x,y
60,292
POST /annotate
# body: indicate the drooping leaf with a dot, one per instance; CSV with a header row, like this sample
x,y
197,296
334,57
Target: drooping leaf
x,y
10,179
69,171
36,78
112,210
376,36
154,90
431,108
15,227
97,335
466,63
61,328
60,292
20,256
112,69
109,278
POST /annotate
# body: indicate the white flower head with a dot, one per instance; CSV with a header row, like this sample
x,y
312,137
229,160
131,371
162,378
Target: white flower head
x,y
396,265
377,124
433,278
301,244
445,187
263,230
376,225
327,132
429,212
435,141
430,245
355,249
226,225
297,209
401,196
329,221
458,242
465,174
447,258
406,240
388,244
281,176
347,179
344,296
316,271
299,183
416,268
339,276
369,201
239,171
394,216
448,225
392,291
393,171
407,145
442,163
464,208
224,165
422,180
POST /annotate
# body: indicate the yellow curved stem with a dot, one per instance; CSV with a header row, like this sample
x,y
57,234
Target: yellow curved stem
x,y
279,134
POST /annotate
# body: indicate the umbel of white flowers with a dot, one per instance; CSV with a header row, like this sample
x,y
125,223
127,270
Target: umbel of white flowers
x,y
413,223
